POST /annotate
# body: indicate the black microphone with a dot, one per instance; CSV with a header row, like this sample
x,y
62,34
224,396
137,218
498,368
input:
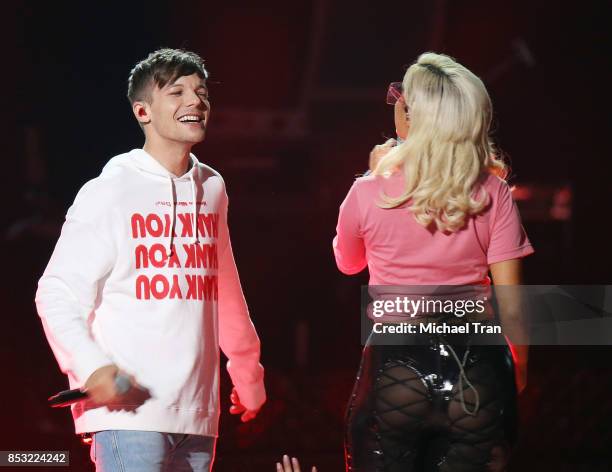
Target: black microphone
x,y
68,397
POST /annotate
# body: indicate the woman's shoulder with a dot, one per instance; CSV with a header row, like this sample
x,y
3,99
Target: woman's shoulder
x,y
370,180
371,186
494,179
493,184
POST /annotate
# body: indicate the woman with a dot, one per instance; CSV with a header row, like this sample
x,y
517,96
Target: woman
x,y
434,211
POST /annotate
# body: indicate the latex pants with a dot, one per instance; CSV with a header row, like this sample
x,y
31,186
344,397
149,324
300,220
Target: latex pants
x,y
406,412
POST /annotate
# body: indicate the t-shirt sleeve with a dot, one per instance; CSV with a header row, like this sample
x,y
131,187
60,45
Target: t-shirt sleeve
x,y
508,237
349,247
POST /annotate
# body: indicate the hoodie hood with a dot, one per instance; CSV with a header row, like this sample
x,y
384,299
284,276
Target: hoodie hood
x,y
142,162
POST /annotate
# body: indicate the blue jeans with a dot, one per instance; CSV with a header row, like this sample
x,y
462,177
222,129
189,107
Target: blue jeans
x,y
148,451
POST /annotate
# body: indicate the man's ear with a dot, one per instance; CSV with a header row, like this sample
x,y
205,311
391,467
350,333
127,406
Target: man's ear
x,y
142,112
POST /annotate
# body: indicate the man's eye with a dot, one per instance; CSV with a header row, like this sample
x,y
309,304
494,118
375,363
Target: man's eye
x,y
176,93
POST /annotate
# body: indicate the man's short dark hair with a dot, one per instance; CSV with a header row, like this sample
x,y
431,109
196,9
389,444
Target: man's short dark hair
x,y
160,68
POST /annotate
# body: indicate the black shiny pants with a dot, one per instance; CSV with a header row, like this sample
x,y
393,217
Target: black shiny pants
x,y
410,411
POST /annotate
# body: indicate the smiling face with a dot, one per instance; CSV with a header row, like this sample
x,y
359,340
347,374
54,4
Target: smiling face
x,y
178,112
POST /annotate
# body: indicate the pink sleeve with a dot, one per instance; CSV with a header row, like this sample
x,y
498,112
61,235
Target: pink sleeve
x,y
349,248
237,336
508,238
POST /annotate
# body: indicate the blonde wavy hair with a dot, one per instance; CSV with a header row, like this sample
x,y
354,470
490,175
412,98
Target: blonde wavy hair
x,y
448,148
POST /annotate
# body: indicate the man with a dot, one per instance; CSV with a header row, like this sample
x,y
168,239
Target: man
x,y
142,285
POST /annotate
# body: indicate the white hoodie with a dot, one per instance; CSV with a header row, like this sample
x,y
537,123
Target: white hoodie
x,y
122,287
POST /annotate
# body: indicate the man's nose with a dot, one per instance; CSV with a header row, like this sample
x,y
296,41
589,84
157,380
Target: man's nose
x,y
193,99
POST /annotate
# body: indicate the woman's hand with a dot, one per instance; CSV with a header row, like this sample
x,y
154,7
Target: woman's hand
x,y
520,375
380,151
292,465
520,356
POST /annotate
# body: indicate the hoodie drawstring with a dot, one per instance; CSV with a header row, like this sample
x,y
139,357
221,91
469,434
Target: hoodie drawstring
x,y
172,218
194,237
195,209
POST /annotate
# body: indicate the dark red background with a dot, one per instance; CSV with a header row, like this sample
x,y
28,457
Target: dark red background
x,y
64,72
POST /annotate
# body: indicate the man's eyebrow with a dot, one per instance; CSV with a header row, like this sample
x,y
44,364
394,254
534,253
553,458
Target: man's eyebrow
x,y
181,85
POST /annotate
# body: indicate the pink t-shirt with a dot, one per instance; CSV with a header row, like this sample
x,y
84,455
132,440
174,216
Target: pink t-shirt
x,y
400,251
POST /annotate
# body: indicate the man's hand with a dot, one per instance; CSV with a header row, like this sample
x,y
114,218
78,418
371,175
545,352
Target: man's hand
x,y
290,465
380,151
237,408
100,386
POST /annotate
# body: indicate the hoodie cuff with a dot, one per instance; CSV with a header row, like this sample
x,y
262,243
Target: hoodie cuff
x,y
252,393
252,396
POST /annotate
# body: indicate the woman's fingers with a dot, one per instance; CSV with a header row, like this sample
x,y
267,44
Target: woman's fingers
x,y
290,464
379,151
